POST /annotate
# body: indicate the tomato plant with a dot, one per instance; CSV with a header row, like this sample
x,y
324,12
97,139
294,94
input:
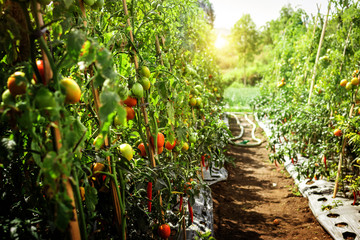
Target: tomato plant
x,y
321,124
69,163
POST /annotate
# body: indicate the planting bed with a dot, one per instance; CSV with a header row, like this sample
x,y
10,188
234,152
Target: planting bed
x,y
257,195
337,215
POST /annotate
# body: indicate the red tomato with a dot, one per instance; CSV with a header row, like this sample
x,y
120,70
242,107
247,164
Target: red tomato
x,y
164,231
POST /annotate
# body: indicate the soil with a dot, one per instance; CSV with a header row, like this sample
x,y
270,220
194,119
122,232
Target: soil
x,y
260,200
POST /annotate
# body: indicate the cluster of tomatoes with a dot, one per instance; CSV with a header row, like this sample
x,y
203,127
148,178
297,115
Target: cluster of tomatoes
x,y
18,85
353,82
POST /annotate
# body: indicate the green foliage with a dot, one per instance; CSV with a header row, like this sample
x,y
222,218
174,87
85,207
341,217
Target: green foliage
x,y
50,149
238,96
308,129
244,37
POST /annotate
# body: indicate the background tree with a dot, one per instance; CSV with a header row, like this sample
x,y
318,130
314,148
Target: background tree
x,y
245,38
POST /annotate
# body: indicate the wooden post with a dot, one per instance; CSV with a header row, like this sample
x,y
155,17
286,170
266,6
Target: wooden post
x,y
313,34
338,174
47,69
318,53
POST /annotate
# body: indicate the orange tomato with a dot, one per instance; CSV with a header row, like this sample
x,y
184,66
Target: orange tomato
x,y
130,101
160,150
141,147
130,113
72,90
338,132
170,146
160,140
17,88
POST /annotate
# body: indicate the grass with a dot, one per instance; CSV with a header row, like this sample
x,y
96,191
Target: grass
x,y
237,97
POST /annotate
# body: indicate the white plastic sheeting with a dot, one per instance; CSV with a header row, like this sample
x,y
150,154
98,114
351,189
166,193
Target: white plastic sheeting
x,y
342,221
203,207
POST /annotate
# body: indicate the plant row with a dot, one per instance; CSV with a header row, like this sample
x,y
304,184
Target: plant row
x,y
319,121
110,112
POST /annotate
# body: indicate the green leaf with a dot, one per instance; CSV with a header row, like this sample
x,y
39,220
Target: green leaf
x,y
91,198
170,112
121,115
103,58
76,39
37,158
99,80
73,133
64,212
88,53
109,102
161,86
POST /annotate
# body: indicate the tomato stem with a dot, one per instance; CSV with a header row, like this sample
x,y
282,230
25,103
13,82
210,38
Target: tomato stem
x,y
79,206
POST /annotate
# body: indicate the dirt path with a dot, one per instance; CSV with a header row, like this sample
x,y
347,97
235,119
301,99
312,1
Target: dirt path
x,y
255,194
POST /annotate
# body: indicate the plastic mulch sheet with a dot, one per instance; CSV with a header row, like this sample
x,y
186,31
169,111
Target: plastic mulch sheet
x,y
337,215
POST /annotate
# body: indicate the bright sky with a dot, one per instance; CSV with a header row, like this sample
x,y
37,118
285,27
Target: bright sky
x,y
227,12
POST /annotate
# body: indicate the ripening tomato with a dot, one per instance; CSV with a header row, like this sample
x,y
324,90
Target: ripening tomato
x,y
338,132
170,146
126,150
343,82
192,101
40,67
82,193
130,113
17,83
185,146
141,147
160,140
72,90
144,71
355,81
130,101
98,167
164,231
160,150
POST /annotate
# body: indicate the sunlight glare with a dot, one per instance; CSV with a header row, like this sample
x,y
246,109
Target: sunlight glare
x,y
221,41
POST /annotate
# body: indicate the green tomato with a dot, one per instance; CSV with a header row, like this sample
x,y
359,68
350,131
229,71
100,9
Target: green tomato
x,y
145,82
127,151
192,138
194,91
198,88
44,99
144,71
7,98
198,101
117,121
348,86
89,2
137,90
